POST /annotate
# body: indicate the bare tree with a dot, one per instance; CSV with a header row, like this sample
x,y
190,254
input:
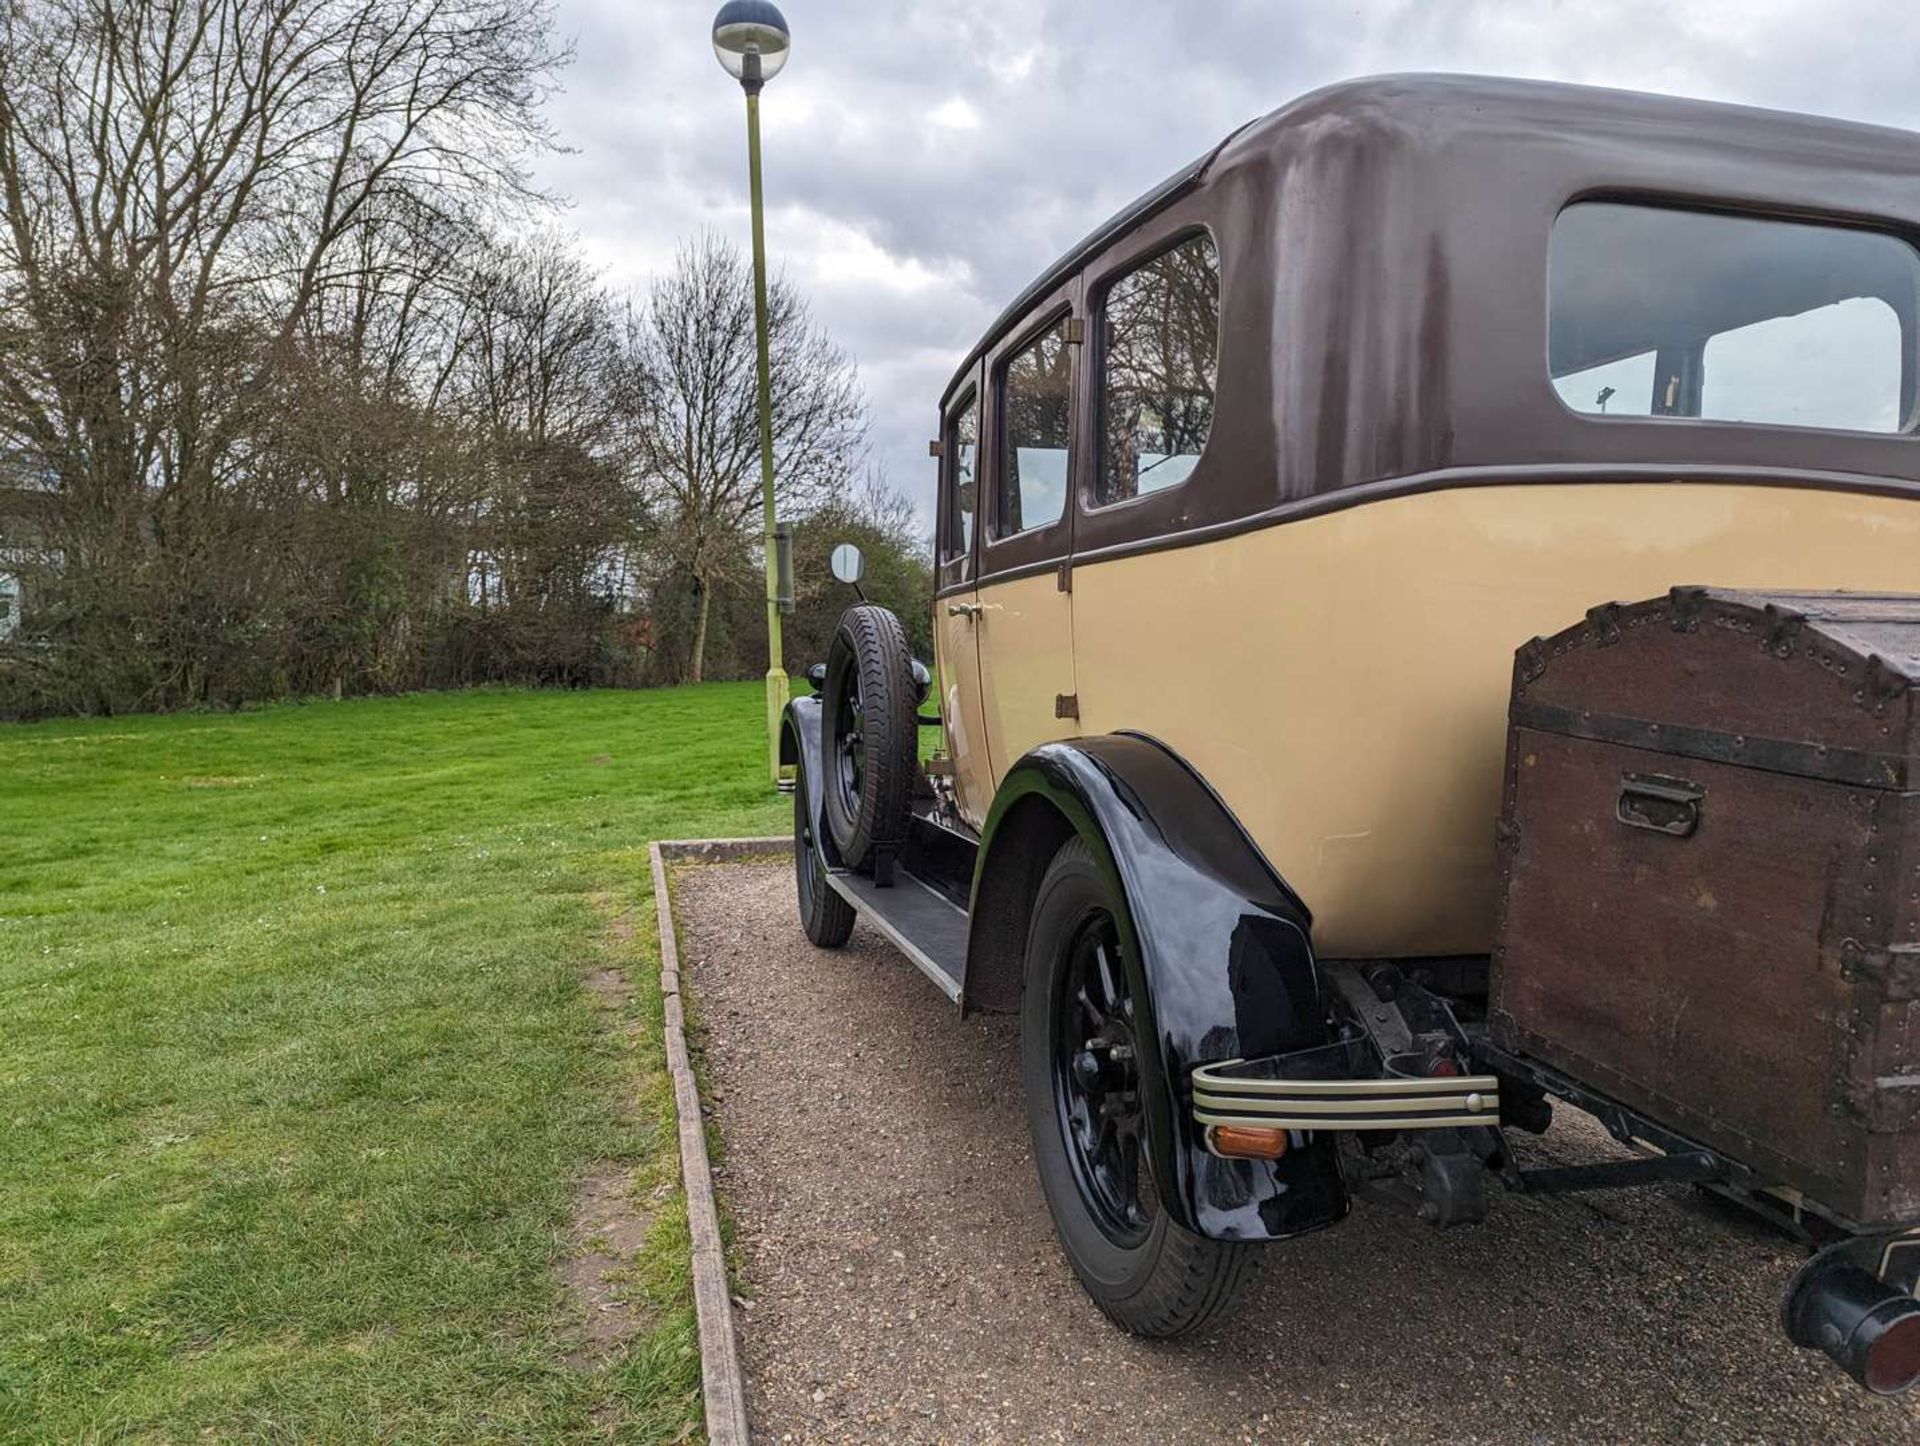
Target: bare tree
x,y
281,411
365,461
182,184
543,374
695,412
899,574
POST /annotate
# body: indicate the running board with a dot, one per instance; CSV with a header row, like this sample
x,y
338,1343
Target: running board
x,y
923,925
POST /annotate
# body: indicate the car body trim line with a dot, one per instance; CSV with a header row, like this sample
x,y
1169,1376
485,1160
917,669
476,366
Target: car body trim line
x,y
1387,489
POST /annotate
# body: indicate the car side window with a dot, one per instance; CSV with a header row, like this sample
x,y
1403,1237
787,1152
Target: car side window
x,y
1658,311
1036,390
1159,359
960,453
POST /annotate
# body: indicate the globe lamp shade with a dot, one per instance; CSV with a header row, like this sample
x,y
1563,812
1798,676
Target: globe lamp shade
x,y
751,40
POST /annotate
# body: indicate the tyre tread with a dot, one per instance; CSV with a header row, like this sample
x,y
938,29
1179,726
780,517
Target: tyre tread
x,y
825,916
877,644
1187,1281
1194,1282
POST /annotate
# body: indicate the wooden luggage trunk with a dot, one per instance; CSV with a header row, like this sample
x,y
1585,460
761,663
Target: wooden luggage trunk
x,y
1710,872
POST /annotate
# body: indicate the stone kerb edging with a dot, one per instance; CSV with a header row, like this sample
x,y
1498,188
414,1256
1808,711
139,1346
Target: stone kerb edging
x,y
722,1388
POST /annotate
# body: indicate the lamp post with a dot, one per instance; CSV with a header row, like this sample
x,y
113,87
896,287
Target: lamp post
x,y
751,40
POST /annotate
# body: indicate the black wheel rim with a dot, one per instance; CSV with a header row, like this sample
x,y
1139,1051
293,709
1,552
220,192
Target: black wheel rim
x,y
1096,1083
849,746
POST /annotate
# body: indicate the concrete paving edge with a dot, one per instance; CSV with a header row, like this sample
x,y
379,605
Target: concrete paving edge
x,y
722,1388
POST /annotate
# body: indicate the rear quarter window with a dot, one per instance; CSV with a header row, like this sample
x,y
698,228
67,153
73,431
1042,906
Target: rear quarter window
x,y
1159,359
1662,312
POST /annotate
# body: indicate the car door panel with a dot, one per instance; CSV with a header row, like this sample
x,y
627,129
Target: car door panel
x,y
1025,623
957,652
955,636
1025,631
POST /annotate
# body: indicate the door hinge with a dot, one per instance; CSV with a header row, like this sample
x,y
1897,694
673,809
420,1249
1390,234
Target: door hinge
x,y
1065,577
1066,705
1076,331
936,448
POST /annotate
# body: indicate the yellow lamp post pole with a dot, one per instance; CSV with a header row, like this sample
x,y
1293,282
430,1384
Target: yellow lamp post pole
x,y
776,669
751,39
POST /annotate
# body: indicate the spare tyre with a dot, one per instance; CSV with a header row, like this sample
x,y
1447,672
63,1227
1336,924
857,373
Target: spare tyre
x,y
869,710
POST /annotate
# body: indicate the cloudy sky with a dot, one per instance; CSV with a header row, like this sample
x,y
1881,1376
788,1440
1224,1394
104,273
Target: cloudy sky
x,y
924,161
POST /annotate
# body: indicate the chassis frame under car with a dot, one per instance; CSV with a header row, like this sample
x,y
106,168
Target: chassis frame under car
x,y
1377,1078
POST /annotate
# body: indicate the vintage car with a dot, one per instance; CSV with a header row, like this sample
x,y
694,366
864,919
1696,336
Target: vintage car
x,y
1302,788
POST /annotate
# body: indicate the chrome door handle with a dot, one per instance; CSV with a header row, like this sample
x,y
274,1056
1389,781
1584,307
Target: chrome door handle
x,y
963,610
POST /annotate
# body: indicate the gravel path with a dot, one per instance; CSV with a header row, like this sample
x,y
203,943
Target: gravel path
x,y
904,1285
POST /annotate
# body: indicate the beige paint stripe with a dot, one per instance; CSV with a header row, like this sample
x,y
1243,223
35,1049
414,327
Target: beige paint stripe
x,y
1485,1101
722,1388
1322,1122
1209,1077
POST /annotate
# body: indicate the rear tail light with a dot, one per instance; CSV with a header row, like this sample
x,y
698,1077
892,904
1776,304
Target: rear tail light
x,y
1893,1359
1244,1142
1869,1330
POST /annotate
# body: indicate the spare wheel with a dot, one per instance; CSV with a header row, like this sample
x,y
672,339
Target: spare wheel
x,y
869,706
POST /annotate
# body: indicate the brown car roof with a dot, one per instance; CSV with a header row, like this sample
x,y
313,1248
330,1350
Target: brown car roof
x,y
1384,272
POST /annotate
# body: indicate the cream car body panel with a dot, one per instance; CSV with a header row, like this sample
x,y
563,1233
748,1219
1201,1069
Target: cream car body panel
x,y
1025,636
1357,727
957,653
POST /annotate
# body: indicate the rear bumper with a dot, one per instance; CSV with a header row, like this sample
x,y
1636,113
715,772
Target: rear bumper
x,y
1317,1090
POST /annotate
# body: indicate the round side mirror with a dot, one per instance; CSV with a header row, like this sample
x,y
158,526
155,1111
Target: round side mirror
x,y
847,563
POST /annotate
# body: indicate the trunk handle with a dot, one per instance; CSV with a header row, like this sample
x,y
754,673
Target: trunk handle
x,y
1660,804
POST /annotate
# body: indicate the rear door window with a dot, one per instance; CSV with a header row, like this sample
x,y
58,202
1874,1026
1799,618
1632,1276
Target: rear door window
x,y
1036,409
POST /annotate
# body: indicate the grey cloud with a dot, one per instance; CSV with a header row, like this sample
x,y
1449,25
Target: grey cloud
x,y
1079,107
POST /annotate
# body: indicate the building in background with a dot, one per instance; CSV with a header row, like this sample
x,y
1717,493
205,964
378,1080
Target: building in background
x,y
26,493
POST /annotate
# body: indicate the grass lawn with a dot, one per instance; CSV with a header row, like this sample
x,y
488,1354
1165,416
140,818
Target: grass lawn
x,y
298,1073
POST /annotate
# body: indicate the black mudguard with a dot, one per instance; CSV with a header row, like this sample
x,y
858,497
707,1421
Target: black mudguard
x,y
1217,949
801,727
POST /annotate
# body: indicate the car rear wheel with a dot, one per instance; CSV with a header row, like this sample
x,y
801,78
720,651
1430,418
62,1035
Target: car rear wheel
x,y
827,918
870,733
1080,1066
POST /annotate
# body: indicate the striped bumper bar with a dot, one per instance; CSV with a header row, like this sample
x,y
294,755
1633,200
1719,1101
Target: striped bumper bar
x,y
1246,1093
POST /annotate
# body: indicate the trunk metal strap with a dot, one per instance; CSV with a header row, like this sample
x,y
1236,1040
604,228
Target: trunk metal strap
x,y
1770,755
